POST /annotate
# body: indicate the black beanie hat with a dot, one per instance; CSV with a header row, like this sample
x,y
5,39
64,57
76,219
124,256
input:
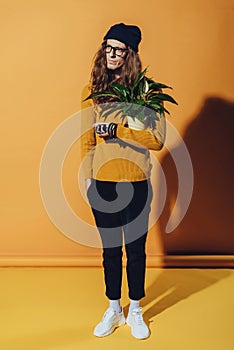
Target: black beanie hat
x,y
127,34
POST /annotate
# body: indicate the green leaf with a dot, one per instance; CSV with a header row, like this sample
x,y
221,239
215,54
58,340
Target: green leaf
x,y
155,85
141,92
100,94
121,90
166,97
158,108
139,78
154,99
140,101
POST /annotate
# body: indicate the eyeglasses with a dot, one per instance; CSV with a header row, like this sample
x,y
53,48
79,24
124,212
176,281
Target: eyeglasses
x,y
118,51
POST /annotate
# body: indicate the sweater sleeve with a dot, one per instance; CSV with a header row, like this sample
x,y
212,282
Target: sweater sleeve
x,y
88,138
152,139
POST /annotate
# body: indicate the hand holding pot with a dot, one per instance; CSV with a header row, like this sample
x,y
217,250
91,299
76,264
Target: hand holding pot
x,y
105,129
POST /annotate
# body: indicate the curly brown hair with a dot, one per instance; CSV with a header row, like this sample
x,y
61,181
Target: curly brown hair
x,y
101,77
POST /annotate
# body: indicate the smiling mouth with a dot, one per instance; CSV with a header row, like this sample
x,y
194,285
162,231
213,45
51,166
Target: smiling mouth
x,y
112,62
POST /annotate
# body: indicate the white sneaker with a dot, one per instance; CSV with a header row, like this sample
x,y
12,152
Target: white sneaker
x,y
136,322
109,322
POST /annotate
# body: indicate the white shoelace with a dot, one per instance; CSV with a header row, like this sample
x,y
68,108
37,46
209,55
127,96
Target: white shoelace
x,y
137,313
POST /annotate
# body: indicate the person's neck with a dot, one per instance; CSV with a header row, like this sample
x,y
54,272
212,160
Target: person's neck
x,y
115,74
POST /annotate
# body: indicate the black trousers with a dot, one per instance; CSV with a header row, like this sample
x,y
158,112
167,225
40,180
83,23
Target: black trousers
x,y
121,211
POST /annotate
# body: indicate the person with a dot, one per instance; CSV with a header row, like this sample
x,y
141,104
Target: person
x,y
117,170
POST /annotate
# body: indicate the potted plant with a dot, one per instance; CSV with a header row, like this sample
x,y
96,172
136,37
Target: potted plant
x,y
142,104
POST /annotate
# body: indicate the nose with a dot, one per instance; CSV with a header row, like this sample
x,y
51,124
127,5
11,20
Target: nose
x,y
112,53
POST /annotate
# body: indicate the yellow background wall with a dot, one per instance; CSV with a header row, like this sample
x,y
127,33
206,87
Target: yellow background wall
x,y
47,47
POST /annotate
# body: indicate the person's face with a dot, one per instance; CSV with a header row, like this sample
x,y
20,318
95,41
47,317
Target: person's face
x,y
115,54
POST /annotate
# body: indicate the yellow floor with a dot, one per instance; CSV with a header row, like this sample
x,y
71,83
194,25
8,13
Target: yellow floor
x,y
57,308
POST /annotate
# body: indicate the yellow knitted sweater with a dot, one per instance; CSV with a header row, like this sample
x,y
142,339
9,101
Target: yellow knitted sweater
x,y
124,158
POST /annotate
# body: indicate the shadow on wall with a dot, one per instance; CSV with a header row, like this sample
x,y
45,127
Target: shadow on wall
x,y
207,227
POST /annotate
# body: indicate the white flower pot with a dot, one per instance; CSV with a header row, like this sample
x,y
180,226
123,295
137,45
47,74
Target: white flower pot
x,y
135,124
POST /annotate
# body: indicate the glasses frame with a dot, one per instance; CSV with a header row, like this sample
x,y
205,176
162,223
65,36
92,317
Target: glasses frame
x,y
123,54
